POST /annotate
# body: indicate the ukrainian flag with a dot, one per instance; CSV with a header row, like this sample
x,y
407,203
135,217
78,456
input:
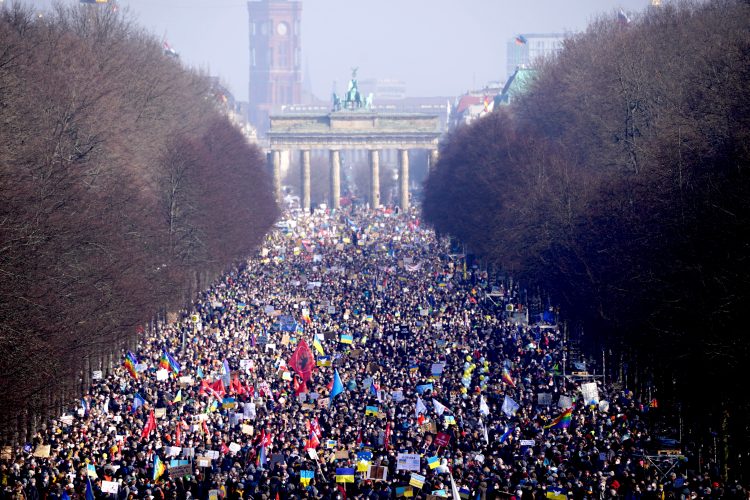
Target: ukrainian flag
x,y
433,462
363,465
305,476
345,475
346,339
404,491
371,411
318,346
417,480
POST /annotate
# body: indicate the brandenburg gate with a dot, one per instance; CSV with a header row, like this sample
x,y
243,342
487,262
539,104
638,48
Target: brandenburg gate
x,y
357,128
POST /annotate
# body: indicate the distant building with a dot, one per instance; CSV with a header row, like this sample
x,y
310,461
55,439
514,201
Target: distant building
x,y
383,88
474,104
516,84
275,58
526,48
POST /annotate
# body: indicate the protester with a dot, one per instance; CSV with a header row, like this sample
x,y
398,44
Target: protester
x,y
351,343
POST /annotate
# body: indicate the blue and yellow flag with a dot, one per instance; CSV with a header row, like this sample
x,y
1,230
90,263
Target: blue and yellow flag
x,y
371,411
345,475
305,476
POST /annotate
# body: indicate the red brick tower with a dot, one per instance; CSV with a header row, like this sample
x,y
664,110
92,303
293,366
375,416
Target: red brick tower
x,y
275,58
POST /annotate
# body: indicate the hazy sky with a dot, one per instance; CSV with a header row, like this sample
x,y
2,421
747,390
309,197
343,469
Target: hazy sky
x,y
438,47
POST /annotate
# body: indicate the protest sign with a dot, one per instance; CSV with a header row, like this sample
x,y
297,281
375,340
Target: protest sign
x,y
110,487
407,461
180,471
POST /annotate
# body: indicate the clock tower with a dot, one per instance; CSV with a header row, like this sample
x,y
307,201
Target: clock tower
x,y
275,58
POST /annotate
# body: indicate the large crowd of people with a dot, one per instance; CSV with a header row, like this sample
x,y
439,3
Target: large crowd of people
x,y
352,357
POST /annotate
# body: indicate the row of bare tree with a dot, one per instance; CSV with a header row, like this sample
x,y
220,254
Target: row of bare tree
x,y
619,182
124,188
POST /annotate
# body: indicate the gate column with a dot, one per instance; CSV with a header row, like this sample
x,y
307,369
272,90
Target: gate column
x,y
335,179
305,180
374,179
403,179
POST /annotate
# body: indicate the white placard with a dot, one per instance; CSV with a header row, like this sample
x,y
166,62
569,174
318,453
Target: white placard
x,y
110,487
162,374
407,461
565,402
234,447
526,442
590,393
96,375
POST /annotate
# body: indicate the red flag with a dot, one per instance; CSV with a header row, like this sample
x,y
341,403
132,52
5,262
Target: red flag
x,y
224,448
178,434
312,441
314,427
359,437
302,361
150,425
387,437
236,386
299,386
218,387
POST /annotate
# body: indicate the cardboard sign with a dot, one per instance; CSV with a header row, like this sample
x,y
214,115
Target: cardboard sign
x,y
377,473
186,380
160,412
180,471
42,451
247,429
342,455
203,461
430,427
6,453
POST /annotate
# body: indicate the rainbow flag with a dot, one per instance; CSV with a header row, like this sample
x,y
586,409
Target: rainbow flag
x,y
159,468
507,378
562,421
130,363
168,362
